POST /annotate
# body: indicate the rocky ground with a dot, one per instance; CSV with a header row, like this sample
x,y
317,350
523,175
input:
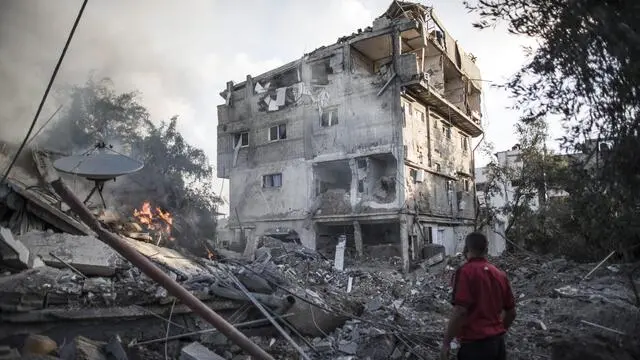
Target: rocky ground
x,y
403,317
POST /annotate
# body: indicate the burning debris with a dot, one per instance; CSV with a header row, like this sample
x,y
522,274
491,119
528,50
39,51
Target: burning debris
x,y
159,223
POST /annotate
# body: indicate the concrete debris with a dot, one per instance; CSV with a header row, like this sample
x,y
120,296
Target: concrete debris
x,y
12,251
115,349
197,351
86,253
386,315
83,348
39,345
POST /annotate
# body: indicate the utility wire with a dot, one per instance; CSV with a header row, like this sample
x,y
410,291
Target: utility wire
x,y
44,125
46,92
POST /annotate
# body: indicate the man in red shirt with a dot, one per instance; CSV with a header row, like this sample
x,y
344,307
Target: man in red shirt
x,y
483,306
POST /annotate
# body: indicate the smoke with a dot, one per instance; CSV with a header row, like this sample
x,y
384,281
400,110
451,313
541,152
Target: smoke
x,y
128,41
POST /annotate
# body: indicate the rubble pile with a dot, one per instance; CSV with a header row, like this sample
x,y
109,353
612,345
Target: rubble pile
x,y
403,316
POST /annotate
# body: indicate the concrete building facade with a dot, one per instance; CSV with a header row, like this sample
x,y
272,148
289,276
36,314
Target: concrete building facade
x,y
369,137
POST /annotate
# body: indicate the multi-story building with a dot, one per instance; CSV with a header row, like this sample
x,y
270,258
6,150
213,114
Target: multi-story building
x,y
369,137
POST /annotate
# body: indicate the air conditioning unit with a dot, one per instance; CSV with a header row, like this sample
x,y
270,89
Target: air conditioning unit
x,y
420,176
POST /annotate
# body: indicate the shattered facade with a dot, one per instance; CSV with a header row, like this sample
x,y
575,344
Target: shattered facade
x,y
369,137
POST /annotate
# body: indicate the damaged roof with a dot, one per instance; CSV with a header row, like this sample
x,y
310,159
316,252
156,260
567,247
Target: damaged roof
x,y
405,9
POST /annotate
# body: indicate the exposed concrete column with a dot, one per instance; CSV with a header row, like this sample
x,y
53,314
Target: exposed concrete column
x,y
396,44
404,243
354,196
249,87
357,236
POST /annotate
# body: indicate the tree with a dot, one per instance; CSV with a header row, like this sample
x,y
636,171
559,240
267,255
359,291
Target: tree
x,y
177,176
516,188
586,71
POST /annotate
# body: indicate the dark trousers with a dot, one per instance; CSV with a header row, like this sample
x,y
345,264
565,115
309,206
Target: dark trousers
x,y
492,348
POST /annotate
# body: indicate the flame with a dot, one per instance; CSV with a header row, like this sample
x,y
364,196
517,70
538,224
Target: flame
x,y
156,221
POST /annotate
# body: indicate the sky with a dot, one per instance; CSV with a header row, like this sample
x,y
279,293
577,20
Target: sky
x,y
180,55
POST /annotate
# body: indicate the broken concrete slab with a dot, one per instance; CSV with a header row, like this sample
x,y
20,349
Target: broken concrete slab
x,y
38,345
169,258
83,348
12,251
313,321
197,351
115,350
89,255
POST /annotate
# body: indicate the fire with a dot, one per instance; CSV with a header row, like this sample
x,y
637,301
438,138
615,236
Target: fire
x,y
155,220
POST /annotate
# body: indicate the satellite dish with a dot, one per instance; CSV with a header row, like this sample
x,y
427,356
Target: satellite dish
x,y
99,165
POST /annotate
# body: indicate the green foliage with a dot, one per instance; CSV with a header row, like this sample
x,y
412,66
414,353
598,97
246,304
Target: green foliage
x,y
585,71
177,176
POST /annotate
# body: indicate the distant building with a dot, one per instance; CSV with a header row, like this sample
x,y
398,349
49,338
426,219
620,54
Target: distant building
x,y
512,159
369,137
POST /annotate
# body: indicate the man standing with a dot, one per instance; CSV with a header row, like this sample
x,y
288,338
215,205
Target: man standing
x,y
483,306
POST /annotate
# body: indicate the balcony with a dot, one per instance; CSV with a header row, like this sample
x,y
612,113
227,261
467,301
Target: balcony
x,y
413,72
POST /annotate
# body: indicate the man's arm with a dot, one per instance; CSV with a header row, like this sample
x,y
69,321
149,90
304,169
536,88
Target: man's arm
x,y
461,300
456,321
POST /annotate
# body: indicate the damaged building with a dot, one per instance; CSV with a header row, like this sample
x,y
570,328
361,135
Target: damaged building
x,y
368,138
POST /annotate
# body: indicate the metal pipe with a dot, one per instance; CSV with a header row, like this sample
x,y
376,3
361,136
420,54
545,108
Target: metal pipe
x,y
268,316
152,271
599,264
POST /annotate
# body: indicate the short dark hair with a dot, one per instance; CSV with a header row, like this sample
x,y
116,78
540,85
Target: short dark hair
x,y
476,242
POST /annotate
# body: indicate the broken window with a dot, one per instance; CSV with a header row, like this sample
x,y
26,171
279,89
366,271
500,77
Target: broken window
x,y
241,139
286,78
435,118
438,168
333,186
407,108
449,185
466,184
360,186
446,130
465,143
272,181
420,115
320,72
362,163
329,118
278,132
413,174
